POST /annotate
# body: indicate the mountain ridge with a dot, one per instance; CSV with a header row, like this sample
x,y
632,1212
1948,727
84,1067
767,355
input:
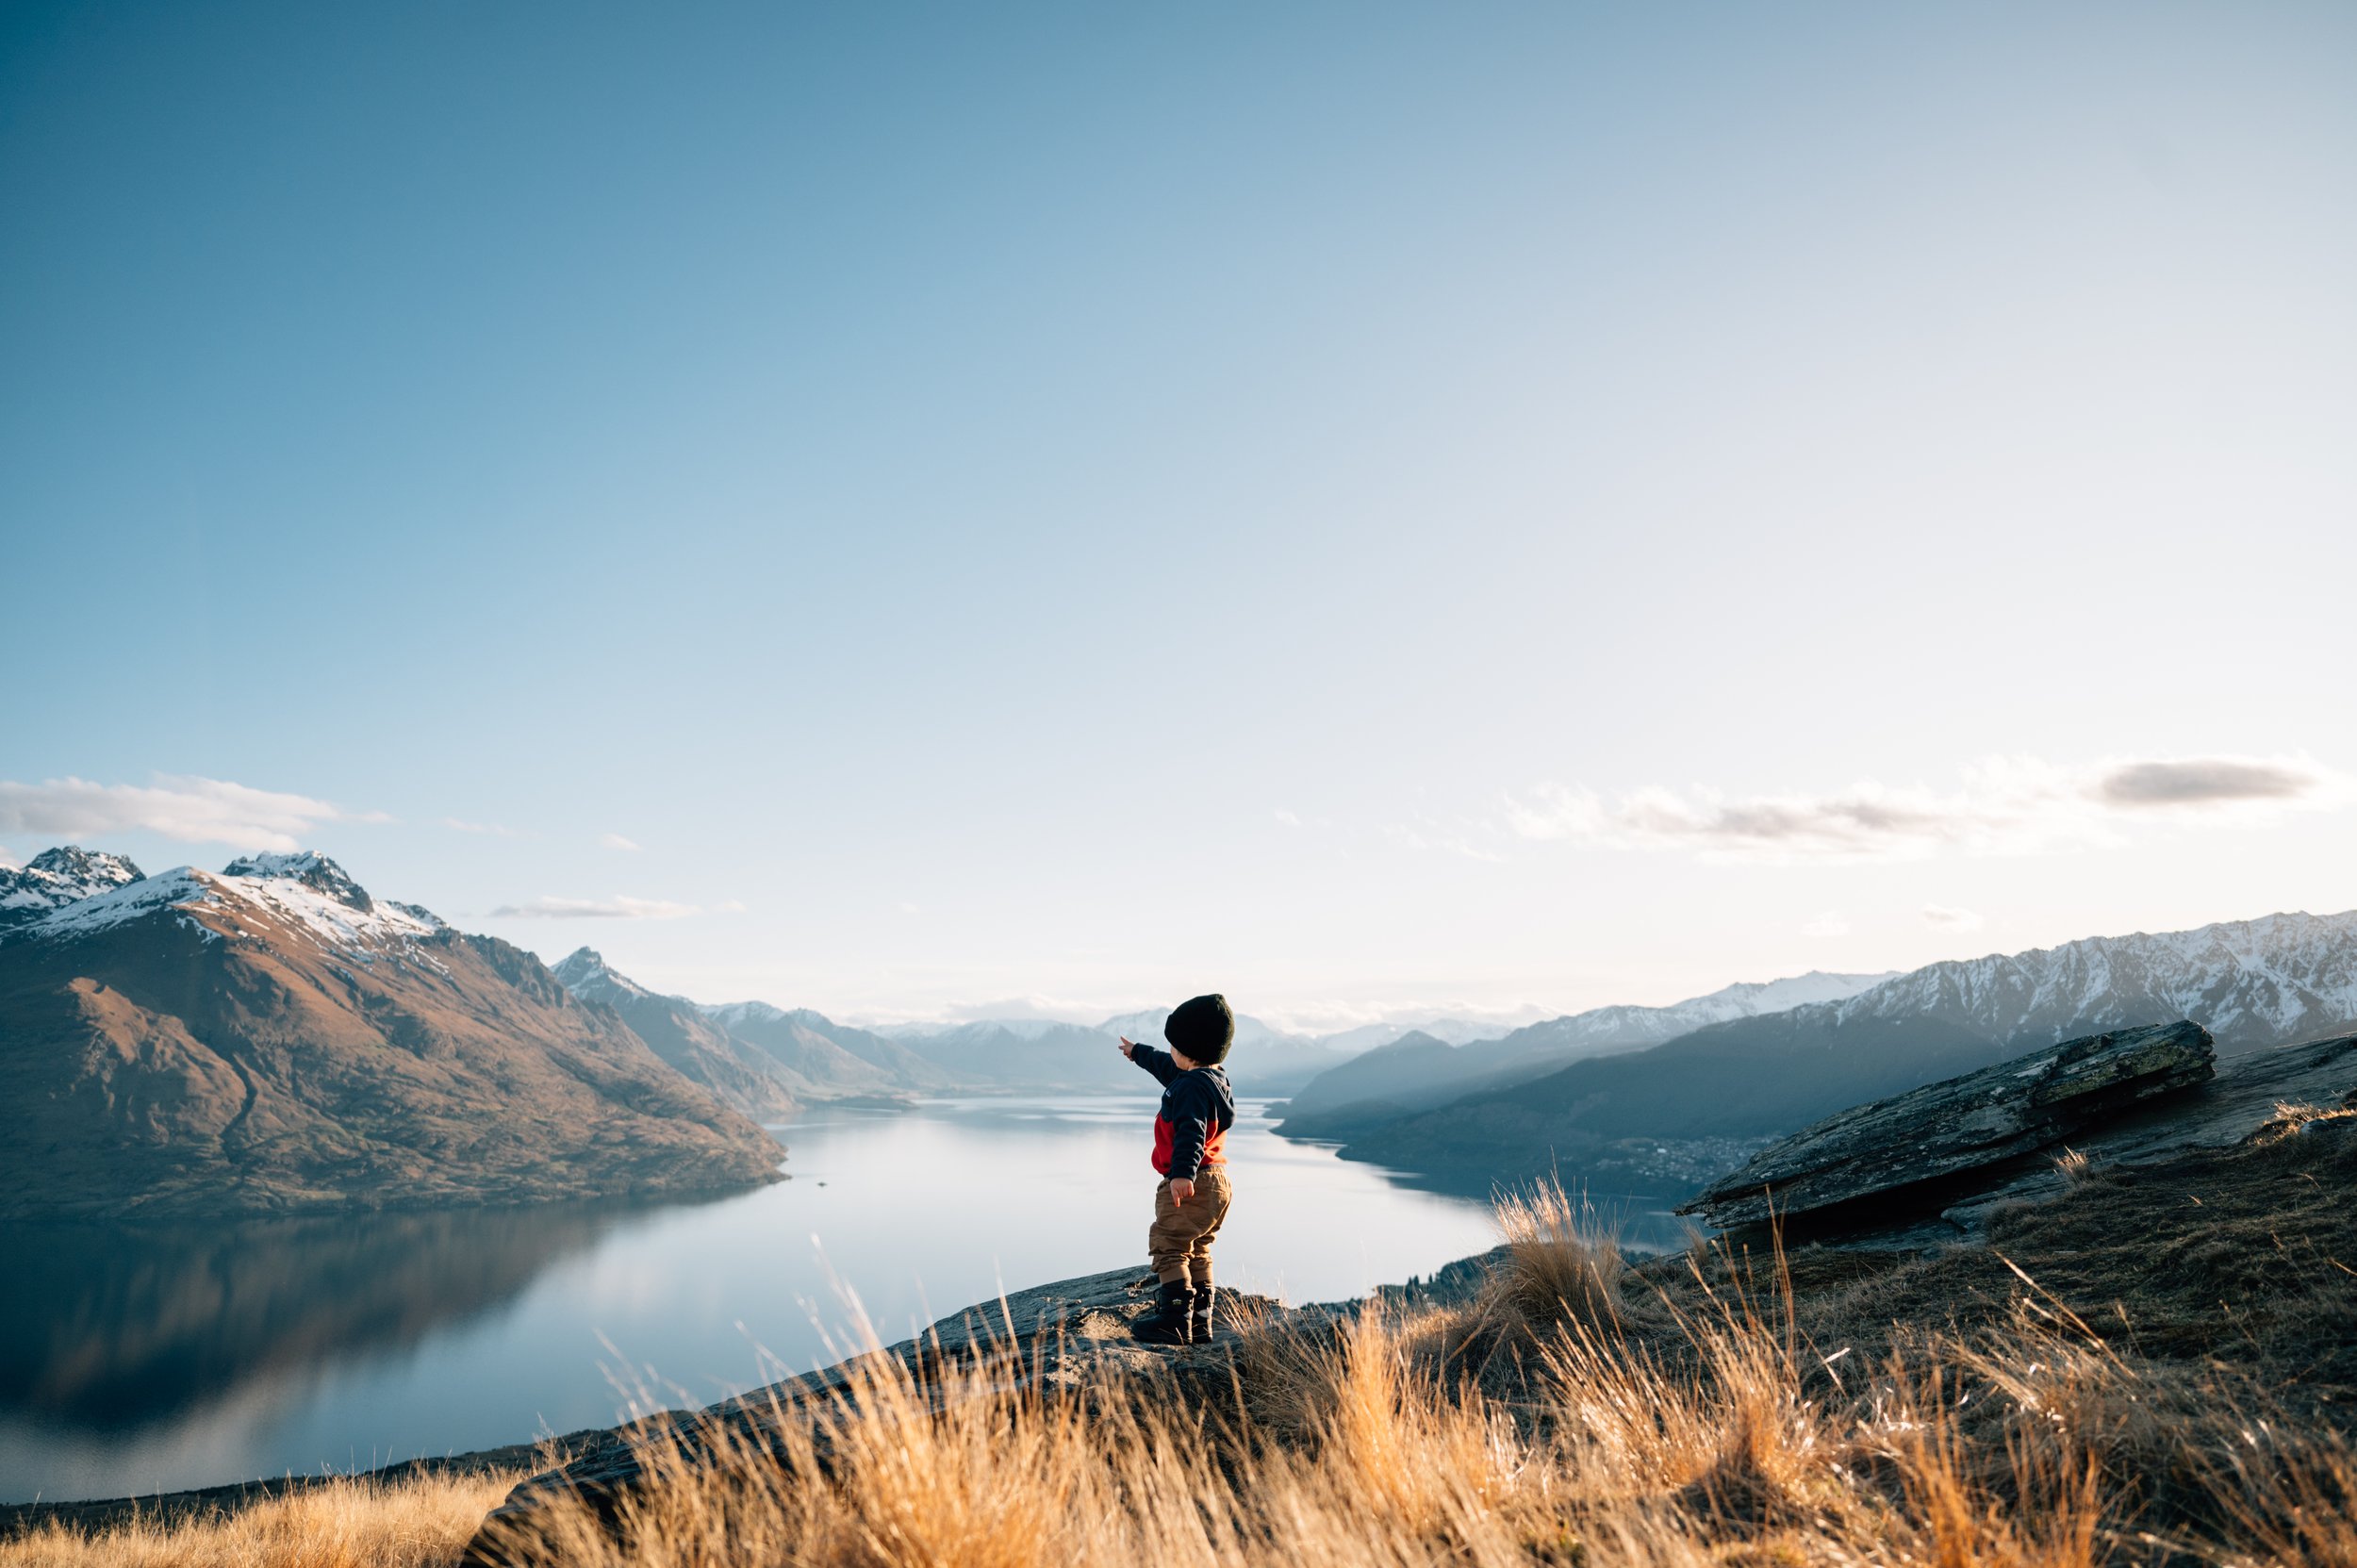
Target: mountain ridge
x,y
1634,1122
199,1045
1385,1085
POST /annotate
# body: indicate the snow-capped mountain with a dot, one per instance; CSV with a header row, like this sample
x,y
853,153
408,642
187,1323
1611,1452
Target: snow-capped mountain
x,y
60,876
256,897
272,1038
1621,1027
583,972
2252,983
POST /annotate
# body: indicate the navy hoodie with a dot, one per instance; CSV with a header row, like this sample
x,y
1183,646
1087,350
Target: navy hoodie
x,y
1197,1110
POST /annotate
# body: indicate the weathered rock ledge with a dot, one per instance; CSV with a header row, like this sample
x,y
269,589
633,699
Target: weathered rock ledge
x,y
1928,1167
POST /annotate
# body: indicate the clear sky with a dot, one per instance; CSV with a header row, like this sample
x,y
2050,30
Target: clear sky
x,y
911,511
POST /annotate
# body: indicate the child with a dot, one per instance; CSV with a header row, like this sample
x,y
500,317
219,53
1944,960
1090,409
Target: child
x,y
1190,1132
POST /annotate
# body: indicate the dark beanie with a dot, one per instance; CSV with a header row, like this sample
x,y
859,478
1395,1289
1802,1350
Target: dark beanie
x,y
1201,1028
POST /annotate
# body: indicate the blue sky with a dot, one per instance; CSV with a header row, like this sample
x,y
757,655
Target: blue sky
x,y
1366,508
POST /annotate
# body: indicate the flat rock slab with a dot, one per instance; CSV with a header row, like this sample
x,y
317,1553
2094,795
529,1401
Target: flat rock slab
x,y
1072,1334
1917,1140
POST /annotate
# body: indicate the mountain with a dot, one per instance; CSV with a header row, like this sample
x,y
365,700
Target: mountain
x,y
274,1039
1447,1028
750,1082
851,1060
1423,1073
1004,1055
1653,1121
1029,1053
1266,1060
56,878
2253,983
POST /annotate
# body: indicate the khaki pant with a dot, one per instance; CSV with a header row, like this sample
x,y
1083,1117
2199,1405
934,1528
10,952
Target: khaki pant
x,y
1180,1242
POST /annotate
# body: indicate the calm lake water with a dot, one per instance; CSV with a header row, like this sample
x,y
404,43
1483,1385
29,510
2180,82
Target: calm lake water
x,y
157,1360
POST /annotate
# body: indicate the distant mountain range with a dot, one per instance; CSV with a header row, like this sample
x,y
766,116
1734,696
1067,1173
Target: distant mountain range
x,y
1663,1120
764,1061
274,1039
1419,1072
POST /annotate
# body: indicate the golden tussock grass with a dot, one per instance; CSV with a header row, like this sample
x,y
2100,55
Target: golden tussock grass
x,y
422,1522
1576,1413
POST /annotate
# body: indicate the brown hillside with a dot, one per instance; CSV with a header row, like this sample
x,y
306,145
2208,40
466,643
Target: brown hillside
x,y
200,1045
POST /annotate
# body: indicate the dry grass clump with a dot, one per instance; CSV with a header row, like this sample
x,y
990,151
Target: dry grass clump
x,y
1562,1262
418,1522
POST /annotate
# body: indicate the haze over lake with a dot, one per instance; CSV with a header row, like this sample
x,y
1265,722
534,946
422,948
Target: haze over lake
x,y
143,1361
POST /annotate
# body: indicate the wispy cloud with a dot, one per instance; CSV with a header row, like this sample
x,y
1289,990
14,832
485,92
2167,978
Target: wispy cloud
x,y
619,907
1947,919
193,810
1428,836
614,841
1287,819
493,829
1830,923
2005,805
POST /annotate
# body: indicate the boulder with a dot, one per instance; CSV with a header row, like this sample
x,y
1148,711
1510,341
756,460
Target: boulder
x,y
1903,1155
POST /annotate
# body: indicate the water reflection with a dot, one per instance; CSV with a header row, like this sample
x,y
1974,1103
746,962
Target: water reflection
x,y
111,1330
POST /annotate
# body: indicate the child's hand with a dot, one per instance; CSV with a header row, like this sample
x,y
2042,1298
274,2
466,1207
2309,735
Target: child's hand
x,y
1180,1190
1128,1048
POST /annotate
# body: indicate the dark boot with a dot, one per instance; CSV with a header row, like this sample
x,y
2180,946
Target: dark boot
x,y
1203,1294
1172,1321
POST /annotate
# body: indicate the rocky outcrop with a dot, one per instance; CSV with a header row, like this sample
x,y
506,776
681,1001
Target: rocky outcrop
x,y
1887,1154
56,878
1071,1336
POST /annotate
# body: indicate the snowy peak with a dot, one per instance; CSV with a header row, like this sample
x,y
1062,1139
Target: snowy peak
x,y
1626,1028
310,868
1749,999
247,907
2252,983
58,877
584,973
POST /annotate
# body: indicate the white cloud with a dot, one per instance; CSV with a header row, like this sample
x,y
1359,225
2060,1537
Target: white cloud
x,y
734,906
614,841
1291,819
1952,920
1828,924
193,810
619,907
2005,805
493,829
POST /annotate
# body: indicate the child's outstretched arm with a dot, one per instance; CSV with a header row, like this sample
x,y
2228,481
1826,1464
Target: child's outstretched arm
x,y
1156,1061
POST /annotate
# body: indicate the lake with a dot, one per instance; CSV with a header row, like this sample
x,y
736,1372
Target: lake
x,y
157,1360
